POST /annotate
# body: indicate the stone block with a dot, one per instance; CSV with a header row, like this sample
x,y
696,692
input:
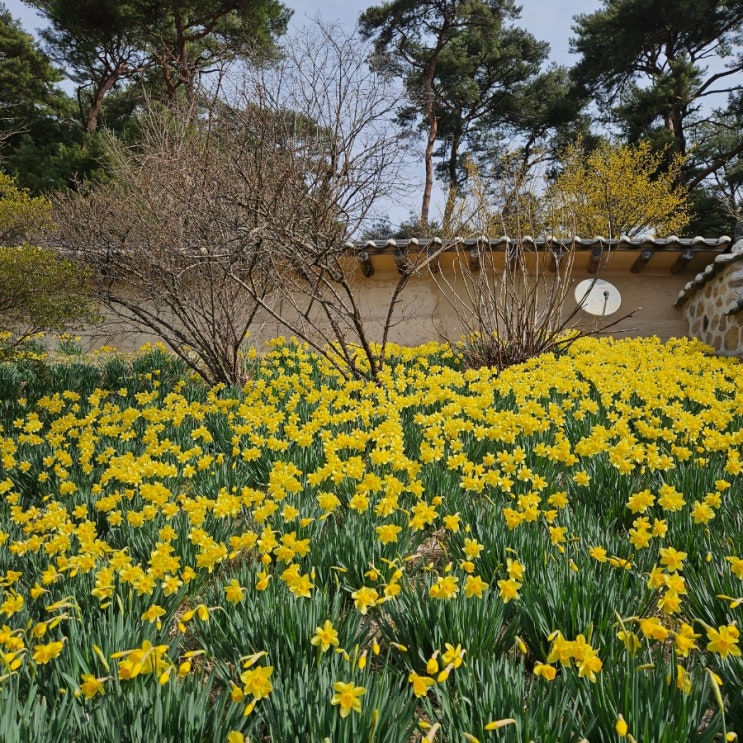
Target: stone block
x,y
732,339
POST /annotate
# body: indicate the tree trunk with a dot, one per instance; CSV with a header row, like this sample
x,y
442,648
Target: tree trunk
x,y
453,186
176,69
433,128
428,186
677,127
95,108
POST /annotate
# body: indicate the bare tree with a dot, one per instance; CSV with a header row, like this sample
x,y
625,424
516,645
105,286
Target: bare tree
x,y
245,208
332,117
161,237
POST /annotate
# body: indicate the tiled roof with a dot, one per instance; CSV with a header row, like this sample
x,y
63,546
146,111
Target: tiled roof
x,y
720,263
547,243
687,250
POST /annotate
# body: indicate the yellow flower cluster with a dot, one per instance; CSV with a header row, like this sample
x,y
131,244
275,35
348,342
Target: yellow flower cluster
x,y
192,507
577,651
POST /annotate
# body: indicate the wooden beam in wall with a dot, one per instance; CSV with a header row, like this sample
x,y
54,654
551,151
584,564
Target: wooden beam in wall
x,y
593,264
401,260
682,260
366,265
642,260
557,255
434,252
473,259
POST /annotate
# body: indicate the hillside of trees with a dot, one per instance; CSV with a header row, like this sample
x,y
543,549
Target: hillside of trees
x,y
477,95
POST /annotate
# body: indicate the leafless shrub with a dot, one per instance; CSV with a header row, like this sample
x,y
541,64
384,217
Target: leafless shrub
x,y
161,239
511,303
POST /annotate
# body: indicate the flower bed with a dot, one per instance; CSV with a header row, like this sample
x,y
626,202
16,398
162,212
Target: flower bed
x,y
550,553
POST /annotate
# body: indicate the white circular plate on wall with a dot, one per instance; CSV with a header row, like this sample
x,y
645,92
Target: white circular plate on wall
x,y
598,297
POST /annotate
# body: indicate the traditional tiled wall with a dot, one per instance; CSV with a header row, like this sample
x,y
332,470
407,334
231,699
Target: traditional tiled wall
x,y
712,303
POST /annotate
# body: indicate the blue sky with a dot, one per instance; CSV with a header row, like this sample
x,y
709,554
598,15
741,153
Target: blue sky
x,y
547,20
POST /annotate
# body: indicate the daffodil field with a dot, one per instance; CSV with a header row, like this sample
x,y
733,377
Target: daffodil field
x,y
549,553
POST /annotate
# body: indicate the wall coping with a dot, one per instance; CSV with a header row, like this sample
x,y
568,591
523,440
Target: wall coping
x,y
546,243
720,263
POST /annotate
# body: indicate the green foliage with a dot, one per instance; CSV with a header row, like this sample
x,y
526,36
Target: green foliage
x,y
664,701
55,155
708,213
423,626
27,78
717,202
652,65
41,291
299,710
460,66
28,716
489,690
120,44
40,143
123,486
21,215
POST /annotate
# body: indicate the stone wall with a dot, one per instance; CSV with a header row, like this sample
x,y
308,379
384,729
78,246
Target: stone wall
x,y
712,303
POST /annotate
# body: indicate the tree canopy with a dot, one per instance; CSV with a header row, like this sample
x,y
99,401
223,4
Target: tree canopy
x,y
106,43
663,70
98,43
27,78
412,39
41,143
471,77
478,87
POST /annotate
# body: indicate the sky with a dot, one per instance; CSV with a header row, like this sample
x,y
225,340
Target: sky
x,y
546,20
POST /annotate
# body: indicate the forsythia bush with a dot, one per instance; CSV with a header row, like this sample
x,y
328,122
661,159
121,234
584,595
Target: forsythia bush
x,y
616,190
39,290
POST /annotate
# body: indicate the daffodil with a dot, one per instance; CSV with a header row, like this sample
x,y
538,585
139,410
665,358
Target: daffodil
x,y
508,589
475,586
736,566
364,598
153,615
547,672
234,592
445,587
348,697
325,636
621,727
44,653
724,640
91,686
256,681
421,684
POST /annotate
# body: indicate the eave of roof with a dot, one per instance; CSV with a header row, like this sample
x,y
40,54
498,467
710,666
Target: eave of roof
x,y
674,254
673,242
